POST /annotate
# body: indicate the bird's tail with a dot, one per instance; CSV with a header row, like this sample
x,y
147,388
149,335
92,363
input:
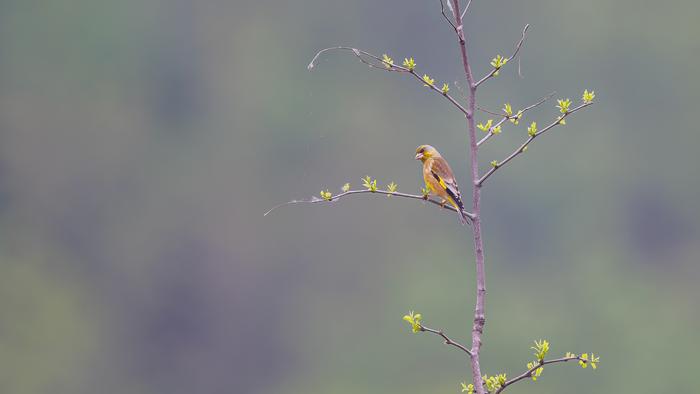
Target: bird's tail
x,y
459,205
463,219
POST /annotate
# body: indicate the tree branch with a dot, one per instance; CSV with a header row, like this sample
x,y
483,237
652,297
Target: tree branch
x,y
515,53
506,117
527,142
368,58
448,341
479,315
529,372
335,198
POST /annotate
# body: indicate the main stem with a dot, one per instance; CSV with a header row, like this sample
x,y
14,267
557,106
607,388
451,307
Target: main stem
x,y
479,317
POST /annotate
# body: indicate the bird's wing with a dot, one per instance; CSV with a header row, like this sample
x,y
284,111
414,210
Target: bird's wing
x,y
443,174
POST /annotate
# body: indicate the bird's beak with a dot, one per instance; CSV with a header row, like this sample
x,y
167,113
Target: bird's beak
x,y
419,156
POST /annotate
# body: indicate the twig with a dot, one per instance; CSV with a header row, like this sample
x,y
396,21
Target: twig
x,y
382,65
448,341
506,117
529,372
442,10
542,100
484,110
466,9
365,191
527,142
515,53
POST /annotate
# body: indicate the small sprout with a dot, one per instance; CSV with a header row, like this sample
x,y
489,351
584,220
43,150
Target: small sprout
x,y
535,373
428,81
485,127
496,130
563,105
588,96
346,187
501,379
494,383
414,319
409,63
326,195
584,361
388,62
524,149
561,120
570,355
391,188
445,88
508,109
425,191
498,62
468,388
494,164
369,183
541,348
516,119
532,130
489,383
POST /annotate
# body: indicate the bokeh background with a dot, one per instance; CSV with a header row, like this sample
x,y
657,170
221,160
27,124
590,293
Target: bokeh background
x,y
142,141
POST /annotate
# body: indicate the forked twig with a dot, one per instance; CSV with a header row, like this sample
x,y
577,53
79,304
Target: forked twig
x,y
507,117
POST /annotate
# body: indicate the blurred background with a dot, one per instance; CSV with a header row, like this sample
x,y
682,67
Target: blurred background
x,y
142,141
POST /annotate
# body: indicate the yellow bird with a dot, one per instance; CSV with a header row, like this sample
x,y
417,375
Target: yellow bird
x,y
439,178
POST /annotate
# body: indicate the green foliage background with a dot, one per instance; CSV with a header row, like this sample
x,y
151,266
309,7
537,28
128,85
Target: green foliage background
x,y
141,142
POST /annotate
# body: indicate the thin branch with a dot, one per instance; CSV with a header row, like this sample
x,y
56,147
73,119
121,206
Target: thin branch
x,y
359,53
490,131
442,10
466,9
529,372
542,100
447,96
448,341
515,53
506,117
366,191
368,58
484,110
527,142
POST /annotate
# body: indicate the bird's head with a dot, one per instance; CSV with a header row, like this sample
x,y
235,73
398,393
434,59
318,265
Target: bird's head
x,y
425,152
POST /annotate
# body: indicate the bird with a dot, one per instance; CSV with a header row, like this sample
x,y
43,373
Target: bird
x,y
440,179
